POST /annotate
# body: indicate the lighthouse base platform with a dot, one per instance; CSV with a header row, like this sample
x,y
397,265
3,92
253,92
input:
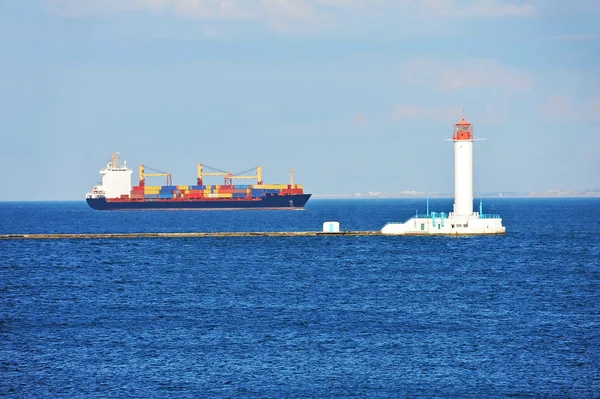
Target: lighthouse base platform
x,y
452,225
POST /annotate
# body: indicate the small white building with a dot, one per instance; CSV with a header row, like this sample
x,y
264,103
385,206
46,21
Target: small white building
x,y
331,227
462,221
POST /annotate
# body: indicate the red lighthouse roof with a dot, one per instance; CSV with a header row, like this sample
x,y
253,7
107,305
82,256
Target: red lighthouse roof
x,y
463,130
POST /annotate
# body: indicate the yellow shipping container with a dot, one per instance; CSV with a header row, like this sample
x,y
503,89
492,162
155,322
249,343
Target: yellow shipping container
x,y
182,187
259,186
224,195
152,188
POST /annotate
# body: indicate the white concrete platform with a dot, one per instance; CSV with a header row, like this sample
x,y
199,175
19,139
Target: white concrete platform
x,y
436,224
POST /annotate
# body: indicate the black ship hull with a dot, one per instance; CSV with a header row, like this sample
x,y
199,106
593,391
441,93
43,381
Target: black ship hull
x,y
291,201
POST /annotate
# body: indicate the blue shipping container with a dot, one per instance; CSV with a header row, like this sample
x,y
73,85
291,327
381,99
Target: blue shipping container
x,y
197,187
238,195
169,188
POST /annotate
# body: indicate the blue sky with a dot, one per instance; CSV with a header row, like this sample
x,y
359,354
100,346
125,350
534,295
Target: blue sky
x,y
355,95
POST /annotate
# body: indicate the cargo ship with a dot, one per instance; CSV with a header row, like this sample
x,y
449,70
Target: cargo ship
x,y
116,192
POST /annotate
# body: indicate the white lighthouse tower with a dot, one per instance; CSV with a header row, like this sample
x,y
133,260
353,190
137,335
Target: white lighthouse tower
x,y
463,168
462,220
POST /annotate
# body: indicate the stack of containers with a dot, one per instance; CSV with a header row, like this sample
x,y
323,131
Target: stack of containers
x,y
240,191
271,189
217,191
257,192
209,191
224,191
195,192
292,189
151,192
167,192
137,192
181,192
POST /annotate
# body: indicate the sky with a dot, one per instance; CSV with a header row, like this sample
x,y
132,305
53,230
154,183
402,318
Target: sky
x,y
355,95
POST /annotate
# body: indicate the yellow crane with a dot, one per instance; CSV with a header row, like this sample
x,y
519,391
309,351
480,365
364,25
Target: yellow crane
x,y
143,175
218,172
258,176
229,177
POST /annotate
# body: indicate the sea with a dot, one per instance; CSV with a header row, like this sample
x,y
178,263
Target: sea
x,y
512,316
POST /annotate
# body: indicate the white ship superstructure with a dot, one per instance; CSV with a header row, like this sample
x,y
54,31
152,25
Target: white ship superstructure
x,y
116,180
462,221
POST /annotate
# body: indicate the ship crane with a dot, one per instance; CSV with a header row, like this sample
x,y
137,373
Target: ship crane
x,y
241,175
218,172
143,175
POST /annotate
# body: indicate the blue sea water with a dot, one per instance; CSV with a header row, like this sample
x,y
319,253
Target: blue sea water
x,y
305,317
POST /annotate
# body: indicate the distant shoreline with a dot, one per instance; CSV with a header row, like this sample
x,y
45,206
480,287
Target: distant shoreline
x,y
450,196
390,196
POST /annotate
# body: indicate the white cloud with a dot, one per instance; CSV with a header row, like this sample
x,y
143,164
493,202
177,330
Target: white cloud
x,y
288,9
359,119
302,10
445,113
291,16
195,9
405,111
566,8
559,109
442,8
496,9
463,74
581,36
486,115
210,9
337,3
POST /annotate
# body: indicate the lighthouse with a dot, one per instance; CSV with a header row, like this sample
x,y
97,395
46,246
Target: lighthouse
x,y
462,220
463,168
